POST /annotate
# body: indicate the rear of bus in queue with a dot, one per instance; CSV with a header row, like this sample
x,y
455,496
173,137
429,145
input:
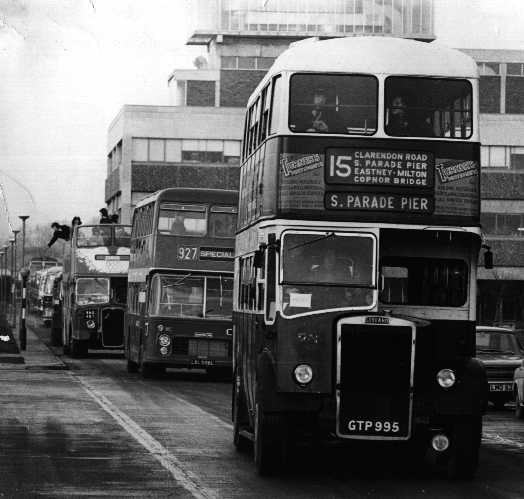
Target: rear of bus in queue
x,y
181,282
356,254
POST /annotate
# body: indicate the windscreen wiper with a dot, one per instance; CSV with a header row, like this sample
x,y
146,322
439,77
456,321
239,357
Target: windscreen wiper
x,y
182,279
307,243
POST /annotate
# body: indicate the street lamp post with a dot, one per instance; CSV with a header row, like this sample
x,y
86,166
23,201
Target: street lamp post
x,y
2,283
15,277
6,279
12,271
22,332
23,218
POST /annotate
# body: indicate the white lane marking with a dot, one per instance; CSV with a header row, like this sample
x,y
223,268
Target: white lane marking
x,y
494,438
183,477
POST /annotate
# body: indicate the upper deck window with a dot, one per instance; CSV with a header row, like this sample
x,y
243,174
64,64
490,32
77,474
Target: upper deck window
x,y
182,219
122,235
428,107
333,103
92,236
222,221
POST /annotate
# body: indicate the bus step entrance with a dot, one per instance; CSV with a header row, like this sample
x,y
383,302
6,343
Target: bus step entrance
x,y
112,327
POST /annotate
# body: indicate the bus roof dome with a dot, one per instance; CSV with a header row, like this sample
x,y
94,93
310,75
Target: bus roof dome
x,y
376,55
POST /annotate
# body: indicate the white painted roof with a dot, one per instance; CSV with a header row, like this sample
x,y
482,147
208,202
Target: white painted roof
x,y
376,55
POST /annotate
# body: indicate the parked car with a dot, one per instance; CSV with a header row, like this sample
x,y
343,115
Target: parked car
x,y
501,353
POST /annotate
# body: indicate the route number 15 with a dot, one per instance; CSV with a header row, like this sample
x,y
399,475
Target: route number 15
x,y
339,167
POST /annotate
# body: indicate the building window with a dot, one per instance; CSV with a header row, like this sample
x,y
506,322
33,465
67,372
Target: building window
x,y
494,157
246,63
516,158
251,62
515,69
156,150
140,149
514,94
502,224
173,151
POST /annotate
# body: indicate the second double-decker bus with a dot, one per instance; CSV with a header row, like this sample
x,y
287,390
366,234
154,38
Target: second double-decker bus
x,y
94,287
356,253
181,281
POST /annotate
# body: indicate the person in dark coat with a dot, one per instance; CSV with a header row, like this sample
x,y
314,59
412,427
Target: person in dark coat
x,y
104,216
60,232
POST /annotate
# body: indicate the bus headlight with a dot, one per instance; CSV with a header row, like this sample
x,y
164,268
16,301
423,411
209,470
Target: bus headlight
x,y
164,340
91,324
303,374
446,378
164,350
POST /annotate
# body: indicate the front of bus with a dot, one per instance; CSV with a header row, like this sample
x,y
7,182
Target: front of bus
x,y
190,287
376,251
100,268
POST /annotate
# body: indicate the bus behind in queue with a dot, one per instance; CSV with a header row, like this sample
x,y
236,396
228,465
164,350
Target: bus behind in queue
x,y
356,252
181,281
94,285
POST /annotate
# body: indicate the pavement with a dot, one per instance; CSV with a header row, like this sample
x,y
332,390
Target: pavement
x,y
36,355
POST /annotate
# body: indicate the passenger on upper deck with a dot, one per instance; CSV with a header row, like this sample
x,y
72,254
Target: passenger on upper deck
x,y
319,114
104,216
60,232
398,123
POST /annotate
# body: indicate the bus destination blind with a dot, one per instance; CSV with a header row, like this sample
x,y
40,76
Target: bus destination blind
x,y
375,167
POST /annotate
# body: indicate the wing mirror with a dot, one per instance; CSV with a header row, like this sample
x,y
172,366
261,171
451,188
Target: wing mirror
x,y
488,257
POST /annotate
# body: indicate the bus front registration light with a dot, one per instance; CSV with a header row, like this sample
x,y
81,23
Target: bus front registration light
x,y
164,340
303,374
446,378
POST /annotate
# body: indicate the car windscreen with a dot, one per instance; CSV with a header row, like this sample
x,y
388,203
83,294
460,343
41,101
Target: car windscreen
x,y
497,342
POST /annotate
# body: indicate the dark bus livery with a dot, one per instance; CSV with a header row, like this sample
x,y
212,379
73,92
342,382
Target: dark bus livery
x,y
356,253
181,281
94,287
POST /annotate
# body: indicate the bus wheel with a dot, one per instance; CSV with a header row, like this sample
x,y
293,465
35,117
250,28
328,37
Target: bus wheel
x,y
464,450
269,442
240,421
519,405
132,367
79,348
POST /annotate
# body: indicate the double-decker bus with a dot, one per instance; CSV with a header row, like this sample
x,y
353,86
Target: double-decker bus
x,y
94,287
36,267
356,253
181,281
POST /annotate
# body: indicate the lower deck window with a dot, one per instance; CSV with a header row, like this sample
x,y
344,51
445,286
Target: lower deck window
x,y
423,281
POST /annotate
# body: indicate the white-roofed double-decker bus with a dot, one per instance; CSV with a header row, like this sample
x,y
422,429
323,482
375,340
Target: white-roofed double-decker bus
x,y
356,252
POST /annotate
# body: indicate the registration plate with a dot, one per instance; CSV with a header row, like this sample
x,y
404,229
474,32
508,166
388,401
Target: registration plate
x,y
202,362
500,387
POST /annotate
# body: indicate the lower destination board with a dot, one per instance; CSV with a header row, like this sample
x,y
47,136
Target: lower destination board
x,y
378,202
